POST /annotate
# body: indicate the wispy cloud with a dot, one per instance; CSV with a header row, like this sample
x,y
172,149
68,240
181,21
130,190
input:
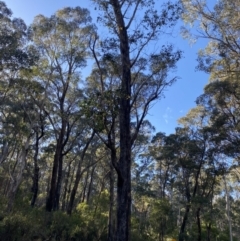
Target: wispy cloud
x,y
167,115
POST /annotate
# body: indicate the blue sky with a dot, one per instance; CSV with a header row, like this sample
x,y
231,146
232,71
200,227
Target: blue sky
x,y
179,98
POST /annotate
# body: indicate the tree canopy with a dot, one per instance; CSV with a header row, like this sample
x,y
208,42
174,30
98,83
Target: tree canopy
x,y
79,159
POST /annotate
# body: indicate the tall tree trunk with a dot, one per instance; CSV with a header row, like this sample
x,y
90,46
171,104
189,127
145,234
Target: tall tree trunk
x,y
111,198
54,192
209,225
199,224
124,164
90,185
189,198
85,187
34,188
51,199
66,187
184,223
187,210
59,182
71,183
162,229
228,209
209,232
75,187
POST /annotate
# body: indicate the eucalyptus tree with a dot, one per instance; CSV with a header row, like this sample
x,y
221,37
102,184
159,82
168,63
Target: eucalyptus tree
x,y
201,165
101,108
163,185
13,57
129,37
221,102
183,182
17,113
22,121
14,53
83,147
187,167
226,206
219,24
62,41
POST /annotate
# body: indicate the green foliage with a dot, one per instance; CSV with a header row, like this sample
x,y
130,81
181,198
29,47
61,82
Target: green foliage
x,y
173,177
95,219
15,227
216,22
36,224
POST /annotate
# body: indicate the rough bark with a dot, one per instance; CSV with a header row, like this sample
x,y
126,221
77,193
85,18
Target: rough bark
x,y
35,184
34,188
199,224
51,203
124,164
59,182
111,198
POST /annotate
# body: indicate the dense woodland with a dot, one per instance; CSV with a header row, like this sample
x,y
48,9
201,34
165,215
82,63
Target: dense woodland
x,y
80,161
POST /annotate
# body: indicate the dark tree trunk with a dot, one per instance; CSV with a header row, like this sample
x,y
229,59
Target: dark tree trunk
x,y
35,185
184,223
209,232
34,189
51,194
74,189
189,198
162,229
187,210
66,187
85,187
199,225
52,203
90,185
111,198
124,164
69,189
51,199
59,182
